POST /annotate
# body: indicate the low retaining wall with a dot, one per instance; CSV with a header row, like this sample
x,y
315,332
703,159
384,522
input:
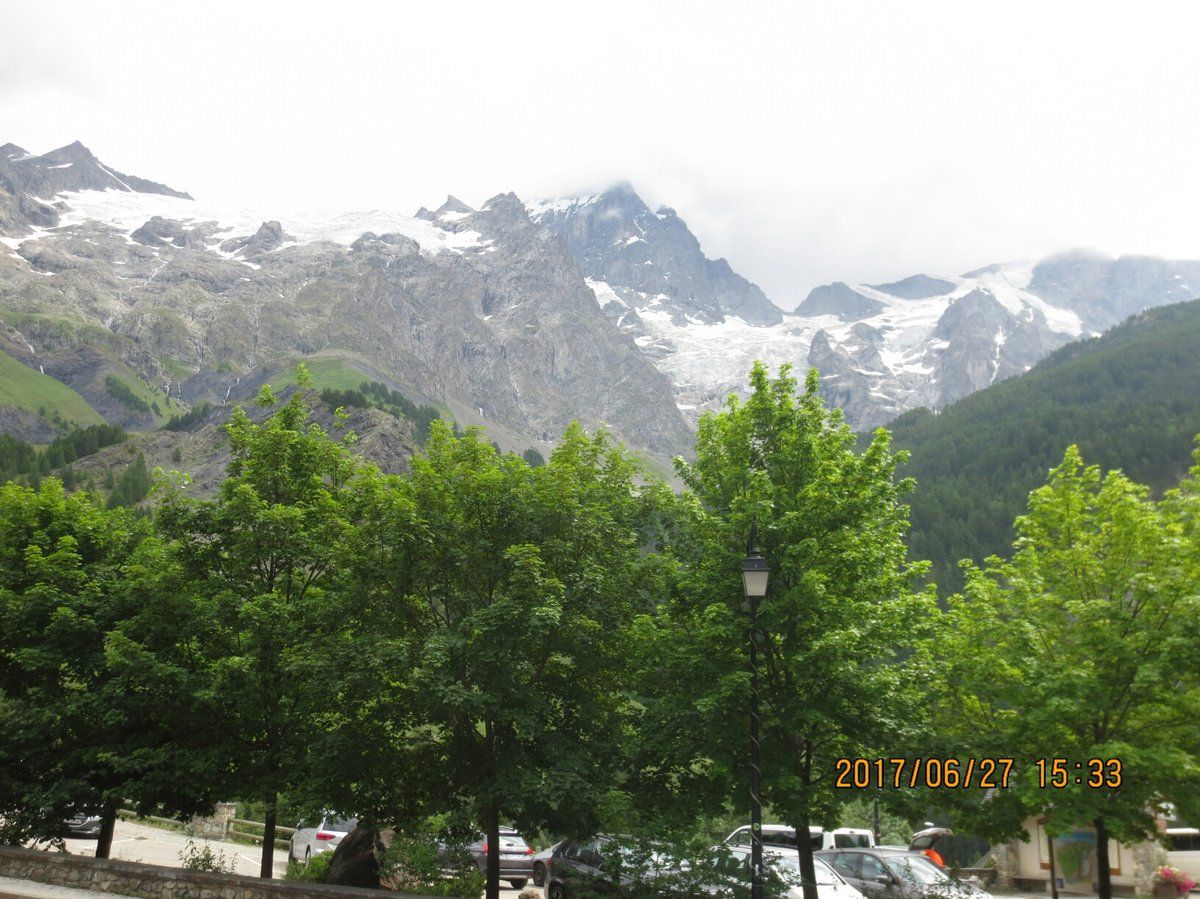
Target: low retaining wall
x,y
156,882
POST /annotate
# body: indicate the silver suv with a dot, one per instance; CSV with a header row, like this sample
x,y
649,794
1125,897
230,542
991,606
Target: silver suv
x,y
516,857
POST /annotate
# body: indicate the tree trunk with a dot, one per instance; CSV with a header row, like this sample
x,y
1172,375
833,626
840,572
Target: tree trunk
x,y
1104,877
492,889
808,871
804,846
108,824
1053,868
267,868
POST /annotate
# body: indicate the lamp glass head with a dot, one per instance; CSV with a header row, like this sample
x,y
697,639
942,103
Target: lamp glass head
x,y
755,573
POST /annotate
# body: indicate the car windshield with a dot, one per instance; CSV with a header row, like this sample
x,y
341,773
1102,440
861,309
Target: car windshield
x,y
512,840
343,825
777,838
851,840
915,869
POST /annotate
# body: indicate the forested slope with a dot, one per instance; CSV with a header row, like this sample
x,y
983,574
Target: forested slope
x,y
1130,399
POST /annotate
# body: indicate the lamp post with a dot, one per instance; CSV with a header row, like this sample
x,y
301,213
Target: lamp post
x,y
755,572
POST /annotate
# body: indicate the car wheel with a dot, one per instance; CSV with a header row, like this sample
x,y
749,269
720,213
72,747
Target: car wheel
x,y
518,884
539,874
291,853
307,855
557,891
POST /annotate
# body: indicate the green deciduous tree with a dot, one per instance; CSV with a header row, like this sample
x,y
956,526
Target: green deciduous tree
x,y
518,601
1083,646
261,558
837,618
64,739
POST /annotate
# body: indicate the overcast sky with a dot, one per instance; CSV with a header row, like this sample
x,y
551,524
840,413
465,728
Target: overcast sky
x,y
857,142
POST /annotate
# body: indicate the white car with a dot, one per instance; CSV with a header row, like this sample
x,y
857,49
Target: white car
x,y
786,864
309,841
785,836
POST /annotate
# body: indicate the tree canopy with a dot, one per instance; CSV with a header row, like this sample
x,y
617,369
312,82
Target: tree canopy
x,y
1083,646
563,644
839,612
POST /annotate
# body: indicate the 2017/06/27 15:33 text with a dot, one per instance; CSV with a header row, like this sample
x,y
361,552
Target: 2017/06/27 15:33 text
x,y
984,773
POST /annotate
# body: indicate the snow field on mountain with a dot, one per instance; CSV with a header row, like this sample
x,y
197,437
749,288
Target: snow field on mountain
x,y
708,361
127,211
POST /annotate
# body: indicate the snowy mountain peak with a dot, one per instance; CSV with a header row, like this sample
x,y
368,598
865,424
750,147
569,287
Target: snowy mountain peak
x,y
1105,291
508,205
31,180
650,260
481,312
452,207
839,299
915,287
72,152
923,340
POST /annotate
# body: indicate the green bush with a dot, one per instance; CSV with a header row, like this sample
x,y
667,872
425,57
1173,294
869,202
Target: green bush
x,y
203,858
414,864
313,872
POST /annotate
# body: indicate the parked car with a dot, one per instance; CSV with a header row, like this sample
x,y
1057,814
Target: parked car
x,y
923,841
82,826
583,868
785,836
539,862
885,873
325,837
516,857
784,865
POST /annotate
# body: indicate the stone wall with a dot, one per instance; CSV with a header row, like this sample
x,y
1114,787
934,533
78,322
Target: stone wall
x,y
155,882
216,825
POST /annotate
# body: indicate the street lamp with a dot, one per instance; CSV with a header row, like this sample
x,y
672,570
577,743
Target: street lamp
x,y
755,572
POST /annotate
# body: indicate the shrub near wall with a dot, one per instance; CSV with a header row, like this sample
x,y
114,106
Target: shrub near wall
x,y
156,882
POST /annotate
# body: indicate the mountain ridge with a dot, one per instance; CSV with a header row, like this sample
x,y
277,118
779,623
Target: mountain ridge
x,y
28,183
1126,397
617,239
519,316
480,311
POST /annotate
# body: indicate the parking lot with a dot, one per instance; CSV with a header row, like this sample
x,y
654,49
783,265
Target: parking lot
x,y
151,845
135,842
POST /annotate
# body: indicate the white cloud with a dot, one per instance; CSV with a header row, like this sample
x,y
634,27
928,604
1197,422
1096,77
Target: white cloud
x,y
859,141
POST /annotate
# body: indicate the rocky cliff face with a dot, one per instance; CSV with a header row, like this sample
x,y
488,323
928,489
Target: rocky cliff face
x,y
929,341
651,259
481,312
1106,291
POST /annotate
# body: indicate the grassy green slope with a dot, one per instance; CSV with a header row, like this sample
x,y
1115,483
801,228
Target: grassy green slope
x,y
1130,399
335,372
25,388
168,406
